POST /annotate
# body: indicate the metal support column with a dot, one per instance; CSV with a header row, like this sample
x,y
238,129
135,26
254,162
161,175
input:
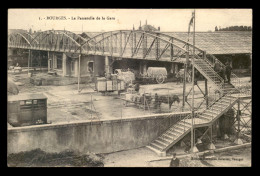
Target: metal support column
x,y
206,92
79,71
172,50
238,140
211,145
29,58
40,59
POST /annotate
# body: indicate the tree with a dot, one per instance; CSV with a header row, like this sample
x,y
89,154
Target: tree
x,y
216,28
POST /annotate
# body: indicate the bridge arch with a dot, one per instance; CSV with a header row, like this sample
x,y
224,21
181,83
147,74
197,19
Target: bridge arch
x,y
20,40
108,43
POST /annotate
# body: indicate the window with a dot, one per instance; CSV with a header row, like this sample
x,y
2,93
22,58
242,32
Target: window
x,y
28,102
21,102
90,66
59,63
72,66
34,101
50,63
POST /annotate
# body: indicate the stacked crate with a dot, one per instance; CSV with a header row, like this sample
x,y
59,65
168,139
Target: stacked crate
x,y
101,84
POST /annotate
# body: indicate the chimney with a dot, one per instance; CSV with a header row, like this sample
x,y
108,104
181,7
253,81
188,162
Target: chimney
x,y
159,28
140,26
145,22
133,27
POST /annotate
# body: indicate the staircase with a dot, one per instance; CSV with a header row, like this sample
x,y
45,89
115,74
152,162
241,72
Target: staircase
x,y
206,117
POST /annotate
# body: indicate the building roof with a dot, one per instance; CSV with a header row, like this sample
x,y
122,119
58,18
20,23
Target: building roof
x,y
224,42
26,97
10,31
231,42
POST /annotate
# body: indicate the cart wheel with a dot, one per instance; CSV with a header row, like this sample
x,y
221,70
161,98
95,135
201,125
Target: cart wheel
x,y
128,79
160,78
189,79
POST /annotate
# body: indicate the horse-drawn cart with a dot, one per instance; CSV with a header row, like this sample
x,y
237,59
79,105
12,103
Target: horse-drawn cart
x,y
142,100
155,74
147,100
180,76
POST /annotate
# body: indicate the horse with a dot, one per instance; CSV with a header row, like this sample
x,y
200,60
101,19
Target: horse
x,y
165,99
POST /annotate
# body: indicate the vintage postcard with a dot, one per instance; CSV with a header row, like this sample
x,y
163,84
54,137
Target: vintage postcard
x,y
129,87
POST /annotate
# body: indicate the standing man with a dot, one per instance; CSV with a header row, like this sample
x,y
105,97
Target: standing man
x,y
217,67
222,73
137,87
175,161
196,76
228,71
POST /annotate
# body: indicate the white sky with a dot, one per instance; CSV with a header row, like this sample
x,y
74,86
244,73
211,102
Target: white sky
x,y
167,19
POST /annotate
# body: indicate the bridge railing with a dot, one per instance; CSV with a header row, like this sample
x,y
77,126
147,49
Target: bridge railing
x,y
234,79
216,79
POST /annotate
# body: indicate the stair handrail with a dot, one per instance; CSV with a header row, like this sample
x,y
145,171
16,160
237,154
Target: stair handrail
x,y
210,67
221,80
210,106
235,79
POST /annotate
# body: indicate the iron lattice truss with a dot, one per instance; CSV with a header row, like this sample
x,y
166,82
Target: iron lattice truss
x,y
136,44
133,44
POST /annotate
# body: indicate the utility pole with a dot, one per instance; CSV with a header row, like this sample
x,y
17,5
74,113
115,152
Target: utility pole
x,y
193,147
184,78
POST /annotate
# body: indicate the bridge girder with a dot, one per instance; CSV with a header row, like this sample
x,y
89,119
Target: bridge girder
x,y
136,44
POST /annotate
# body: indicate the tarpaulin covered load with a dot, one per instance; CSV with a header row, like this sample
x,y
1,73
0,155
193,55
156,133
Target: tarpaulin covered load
x,y
127,76
155,71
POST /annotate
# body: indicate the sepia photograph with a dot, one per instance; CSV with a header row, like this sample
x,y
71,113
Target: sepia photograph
x,y
129,87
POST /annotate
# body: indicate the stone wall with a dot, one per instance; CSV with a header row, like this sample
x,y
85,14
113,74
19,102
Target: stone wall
x,y
99,137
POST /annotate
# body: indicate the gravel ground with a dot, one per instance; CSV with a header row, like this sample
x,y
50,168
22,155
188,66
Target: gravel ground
x,y
66,105
143,157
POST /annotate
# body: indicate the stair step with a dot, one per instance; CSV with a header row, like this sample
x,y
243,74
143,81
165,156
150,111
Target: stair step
x,y
229,97
220,106
185,123
204,118
175,132
229,100
156,146
207,114
182,124
225,101
159,142
212,111
153,149
216,108
171,133
228,89
178,127
165,135
166,140
178,130
228,85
